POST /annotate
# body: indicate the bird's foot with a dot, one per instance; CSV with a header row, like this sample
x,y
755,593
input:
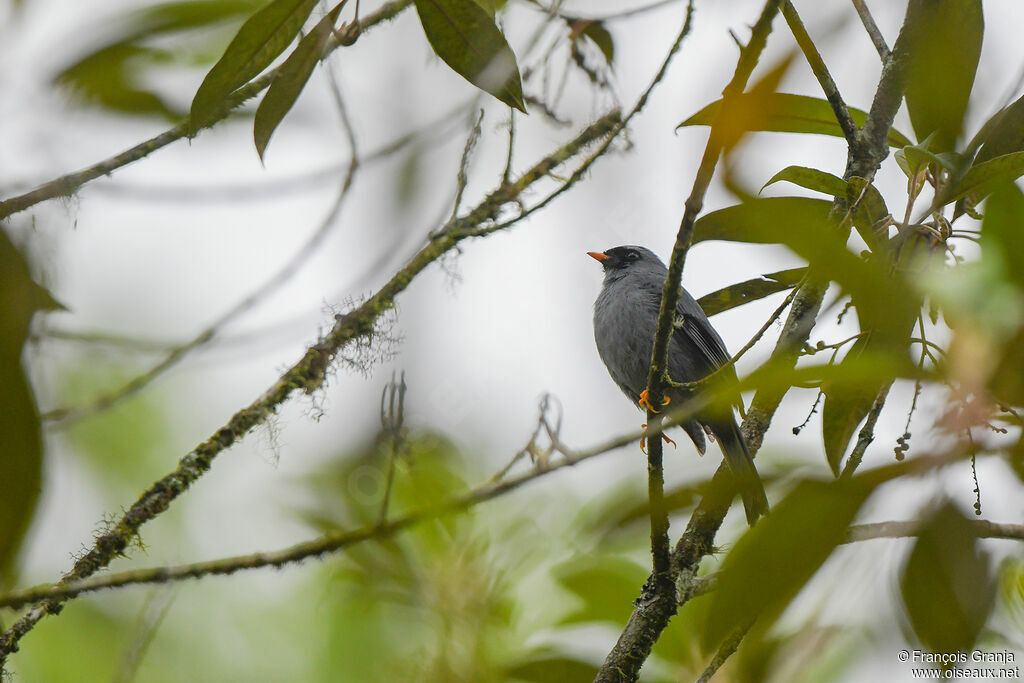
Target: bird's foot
x,y
645,402
643,440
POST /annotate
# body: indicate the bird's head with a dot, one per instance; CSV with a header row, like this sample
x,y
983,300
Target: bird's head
x,y
628,260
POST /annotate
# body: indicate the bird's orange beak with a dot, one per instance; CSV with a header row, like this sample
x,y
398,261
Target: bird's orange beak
x,y
597,255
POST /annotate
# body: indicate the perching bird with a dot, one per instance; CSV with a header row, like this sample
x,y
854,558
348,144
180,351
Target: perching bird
x,y
625,322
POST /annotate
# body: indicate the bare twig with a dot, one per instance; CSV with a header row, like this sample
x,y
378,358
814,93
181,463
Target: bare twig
x,y
725,650
869,25
817,65
866,434
392,422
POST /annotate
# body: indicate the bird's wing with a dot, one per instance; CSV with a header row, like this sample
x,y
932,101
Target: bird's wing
x,y
698,331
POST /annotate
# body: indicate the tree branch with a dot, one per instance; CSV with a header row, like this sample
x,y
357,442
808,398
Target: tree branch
x,y
817,65
872,28
68,184
307,375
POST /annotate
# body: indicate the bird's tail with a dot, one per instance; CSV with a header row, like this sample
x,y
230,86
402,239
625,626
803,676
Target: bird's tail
x,y
737,454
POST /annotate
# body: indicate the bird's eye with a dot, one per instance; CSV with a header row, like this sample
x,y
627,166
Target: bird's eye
x,y
632,256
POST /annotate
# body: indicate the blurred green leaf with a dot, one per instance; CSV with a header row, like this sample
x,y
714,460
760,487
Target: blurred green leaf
x,y
21,456
464,36
1003,230
596,33
258,42
944,39
750,290
552,669
765,220
1003,133
946,585
606,586
290,79
112,76
785,113
110,79
773,561
982,178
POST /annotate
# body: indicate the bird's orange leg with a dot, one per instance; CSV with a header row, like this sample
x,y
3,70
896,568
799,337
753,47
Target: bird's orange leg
x,y
645,402
643,440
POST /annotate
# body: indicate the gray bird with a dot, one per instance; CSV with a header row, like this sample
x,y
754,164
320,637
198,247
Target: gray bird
x,y
625,322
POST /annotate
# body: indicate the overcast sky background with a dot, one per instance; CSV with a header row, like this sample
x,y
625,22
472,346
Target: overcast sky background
x,y
158,252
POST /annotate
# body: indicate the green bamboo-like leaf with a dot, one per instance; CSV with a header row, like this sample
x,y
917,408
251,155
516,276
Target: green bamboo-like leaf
x,y
464,36
762,221
947,587
773,561
944,38
786,113
290,79
258,42
22,451
750,290
871,206
810,178
1003,133
982,178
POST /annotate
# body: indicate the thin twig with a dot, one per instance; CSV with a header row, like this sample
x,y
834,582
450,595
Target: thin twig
x,y
725,650
867,433
462,178
392,422
872,28
817,65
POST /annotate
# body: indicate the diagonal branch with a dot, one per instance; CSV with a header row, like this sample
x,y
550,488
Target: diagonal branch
x,y
877,39
69,184
307,375
817,65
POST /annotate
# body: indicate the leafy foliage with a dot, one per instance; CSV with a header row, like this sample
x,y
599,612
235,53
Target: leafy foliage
x,y
464,35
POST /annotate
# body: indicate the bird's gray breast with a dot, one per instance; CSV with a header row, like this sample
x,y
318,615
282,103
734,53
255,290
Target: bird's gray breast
x,y
625,319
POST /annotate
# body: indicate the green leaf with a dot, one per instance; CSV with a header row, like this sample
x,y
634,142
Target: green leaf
x,y
110,78
761,221
258,42
606,587
465,37
944,43
871,207
772,562
21,457
1002,230
812,179
946,585
984,177
1003,133
750,290
599,35
787,113
290,79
